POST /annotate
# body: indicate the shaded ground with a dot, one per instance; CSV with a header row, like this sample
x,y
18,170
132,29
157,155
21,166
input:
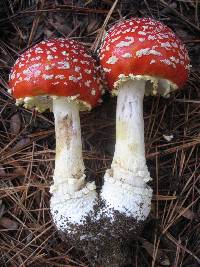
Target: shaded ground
x,y
171,236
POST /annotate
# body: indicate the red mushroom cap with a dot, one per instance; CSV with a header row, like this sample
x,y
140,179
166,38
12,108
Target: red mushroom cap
x,y
57,67
144,47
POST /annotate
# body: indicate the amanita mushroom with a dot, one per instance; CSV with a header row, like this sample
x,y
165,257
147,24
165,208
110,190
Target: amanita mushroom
x,y
139,56
60,75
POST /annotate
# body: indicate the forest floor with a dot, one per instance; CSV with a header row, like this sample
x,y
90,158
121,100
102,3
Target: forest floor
x,y
28,237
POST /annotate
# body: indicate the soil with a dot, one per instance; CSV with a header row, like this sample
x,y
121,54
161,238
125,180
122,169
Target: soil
x,y
105,241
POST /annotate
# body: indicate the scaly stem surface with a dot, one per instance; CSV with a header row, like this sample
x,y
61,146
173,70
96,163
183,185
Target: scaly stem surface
x,y
72,198
129,163
125,189
69,167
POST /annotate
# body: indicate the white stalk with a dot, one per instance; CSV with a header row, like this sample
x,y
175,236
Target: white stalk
x,y
129,156
69,167
125,186
72,198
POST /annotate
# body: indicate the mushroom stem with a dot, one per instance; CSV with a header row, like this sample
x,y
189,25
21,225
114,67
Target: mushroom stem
x,y
72,197
129,158
69,167
125,189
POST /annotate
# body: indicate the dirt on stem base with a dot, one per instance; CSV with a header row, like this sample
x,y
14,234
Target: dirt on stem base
x,y
105,242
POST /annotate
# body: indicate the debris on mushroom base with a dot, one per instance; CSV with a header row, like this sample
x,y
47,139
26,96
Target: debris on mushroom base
x,y
139,56
52,75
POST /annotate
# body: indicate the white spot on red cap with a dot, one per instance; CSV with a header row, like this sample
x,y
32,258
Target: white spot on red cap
x,y
77,69
112,60
86,55
39,50
37,73
54,49
166,45
75,52
48,77
168,62
133,30
55,83
60,76
145,27
107,47
151,37
36,65
21,65
188,67
26,72
102,56
147,51
65,53
73,78
142,33
48,67
127,55
93,92
88,71
107,70
84,62
115,39
63,65
126,43
12,76
49,57
152,61
87,83
80,76
127,30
